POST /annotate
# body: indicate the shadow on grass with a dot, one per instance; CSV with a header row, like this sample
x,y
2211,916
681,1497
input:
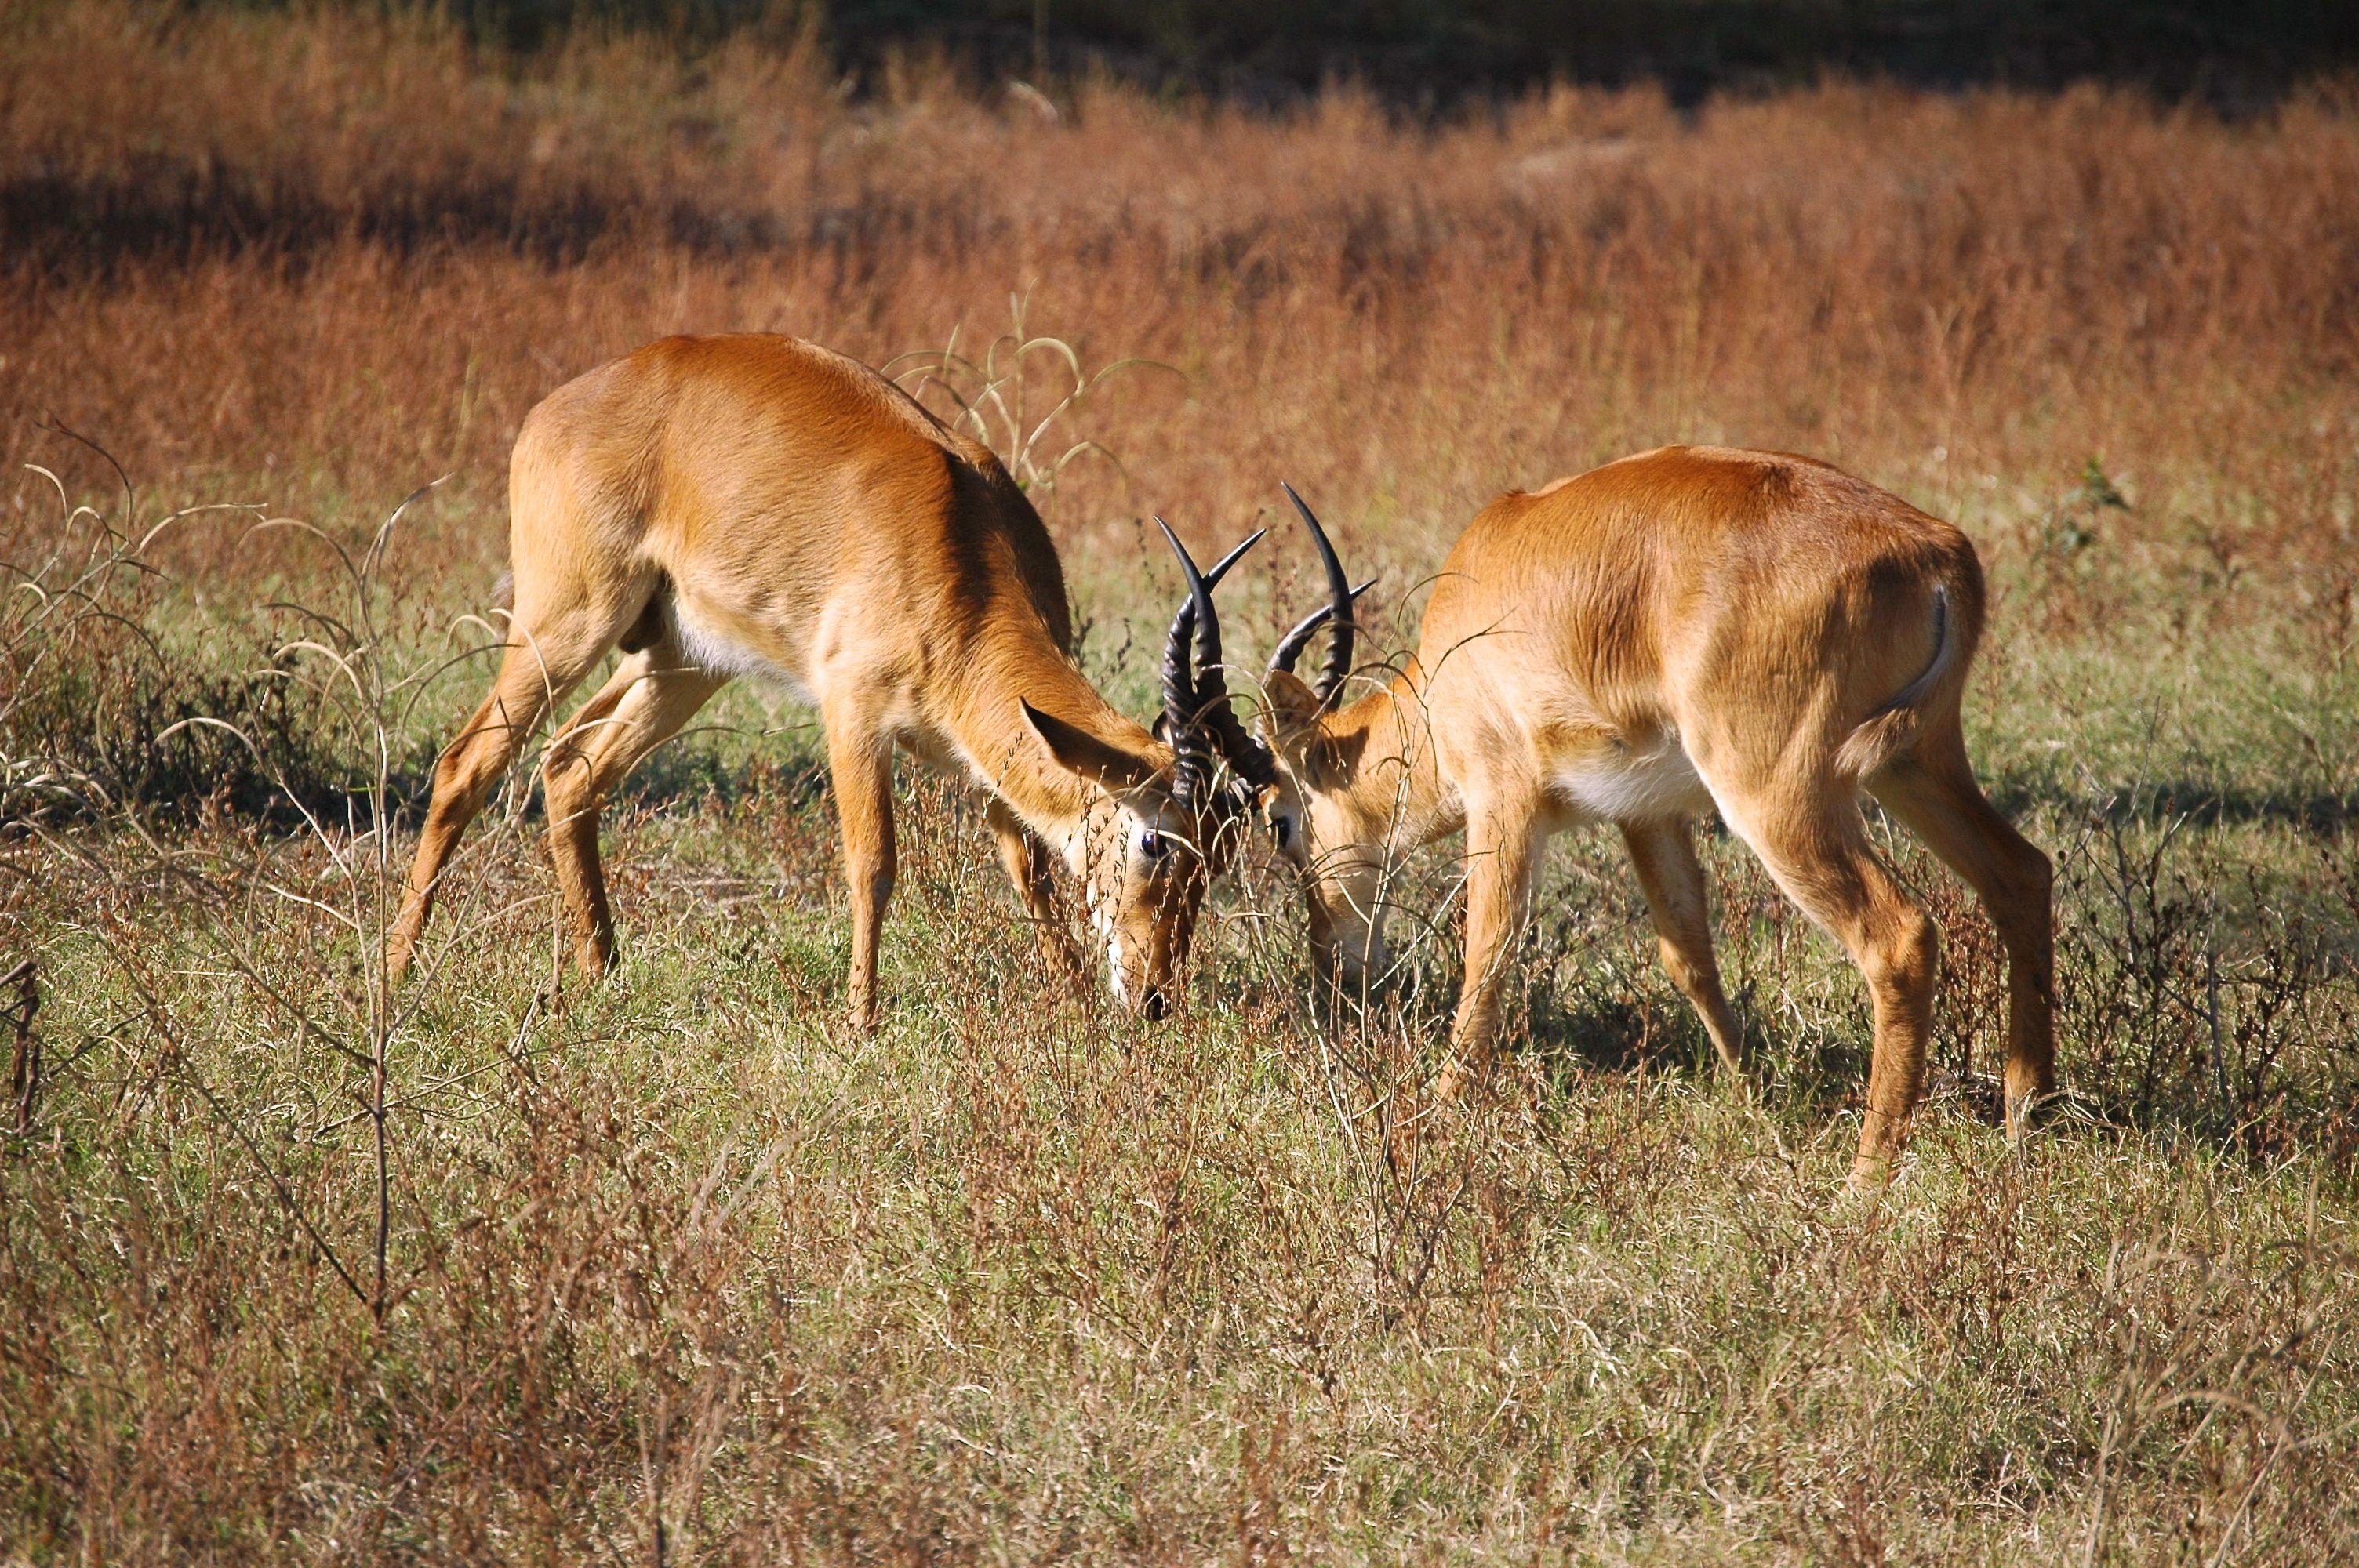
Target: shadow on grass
x,y
1576,1036
2320,814
170,758
1575,1039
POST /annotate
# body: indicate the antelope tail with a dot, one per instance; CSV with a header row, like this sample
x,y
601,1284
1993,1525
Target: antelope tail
x,y
1888,732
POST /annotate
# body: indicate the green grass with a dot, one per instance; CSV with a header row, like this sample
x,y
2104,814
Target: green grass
x,y
675,1267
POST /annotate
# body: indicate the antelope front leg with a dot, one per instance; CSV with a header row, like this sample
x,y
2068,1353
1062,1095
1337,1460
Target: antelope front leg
x,y
860,769
1027,862
1673,881
571,786
1503,846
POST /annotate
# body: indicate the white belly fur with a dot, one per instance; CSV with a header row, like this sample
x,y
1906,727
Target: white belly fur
x,y
1635,786
722,655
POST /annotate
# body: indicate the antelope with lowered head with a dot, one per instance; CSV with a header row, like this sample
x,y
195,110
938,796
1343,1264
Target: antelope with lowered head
x,y
1683,629
756,505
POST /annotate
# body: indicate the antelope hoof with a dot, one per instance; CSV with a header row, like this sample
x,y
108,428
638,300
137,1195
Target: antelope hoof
x,y
2021,1105
1870,1175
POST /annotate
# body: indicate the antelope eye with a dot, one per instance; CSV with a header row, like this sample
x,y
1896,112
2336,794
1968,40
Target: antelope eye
x,y
1284,829
1150,844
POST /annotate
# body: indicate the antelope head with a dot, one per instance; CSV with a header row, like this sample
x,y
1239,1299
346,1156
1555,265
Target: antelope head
x,y
1163,823
1327,826
1300,774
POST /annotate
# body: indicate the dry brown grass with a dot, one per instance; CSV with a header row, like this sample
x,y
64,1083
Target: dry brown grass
x,y
363,273
680,1273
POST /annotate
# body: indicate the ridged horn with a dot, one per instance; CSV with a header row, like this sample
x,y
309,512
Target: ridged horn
x,y
1210,685
1195,690
1336,611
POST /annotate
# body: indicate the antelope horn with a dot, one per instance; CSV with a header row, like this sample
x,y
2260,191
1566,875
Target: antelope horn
x,y
1208,683
1249,756
1251,759
1194,689
1180,691
1290,646
1183,625
1337,611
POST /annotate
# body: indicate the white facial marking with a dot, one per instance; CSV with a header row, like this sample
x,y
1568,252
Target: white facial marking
x,y
1101,911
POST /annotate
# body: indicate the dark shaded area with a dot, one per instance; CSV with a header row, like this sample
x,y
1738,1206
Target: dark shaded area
x,y
181,210
130,729
178,212
1429,51
1576,1027
2317,812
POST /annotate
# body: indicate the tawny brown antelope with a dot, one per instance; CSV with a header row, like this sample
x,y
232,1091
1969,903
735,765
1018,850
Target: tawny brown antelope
x,y
1686,628
754,505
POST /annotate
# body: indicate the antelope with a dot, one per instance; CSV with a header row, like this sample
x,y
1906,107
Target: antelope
x,y
1684,629
756,506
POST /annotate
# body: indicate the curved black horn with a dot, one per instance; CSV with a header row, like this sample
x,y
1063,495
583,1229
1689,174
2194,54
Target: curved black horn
x,y
1337,611
1221,567
1249,756
1207,707
1208,657
1191,761
1181,683
1290,646
1184,692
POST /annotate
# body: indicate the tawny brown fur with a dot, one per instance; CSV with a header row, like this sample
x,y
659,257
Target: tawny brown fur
x,y
1685,628
756,506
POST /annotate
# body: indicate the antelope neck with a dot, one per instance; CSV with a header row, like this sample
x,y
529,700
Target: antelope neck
x,y
1013,762
1395,786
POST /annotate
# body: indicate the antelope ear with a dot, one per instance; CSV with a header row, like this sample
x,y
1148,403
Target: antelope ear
x,y
1291,707
1105,764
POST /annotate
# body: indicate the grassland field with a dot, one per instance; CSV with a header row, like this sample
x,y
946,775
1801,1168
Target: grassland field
x,y
677,1268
